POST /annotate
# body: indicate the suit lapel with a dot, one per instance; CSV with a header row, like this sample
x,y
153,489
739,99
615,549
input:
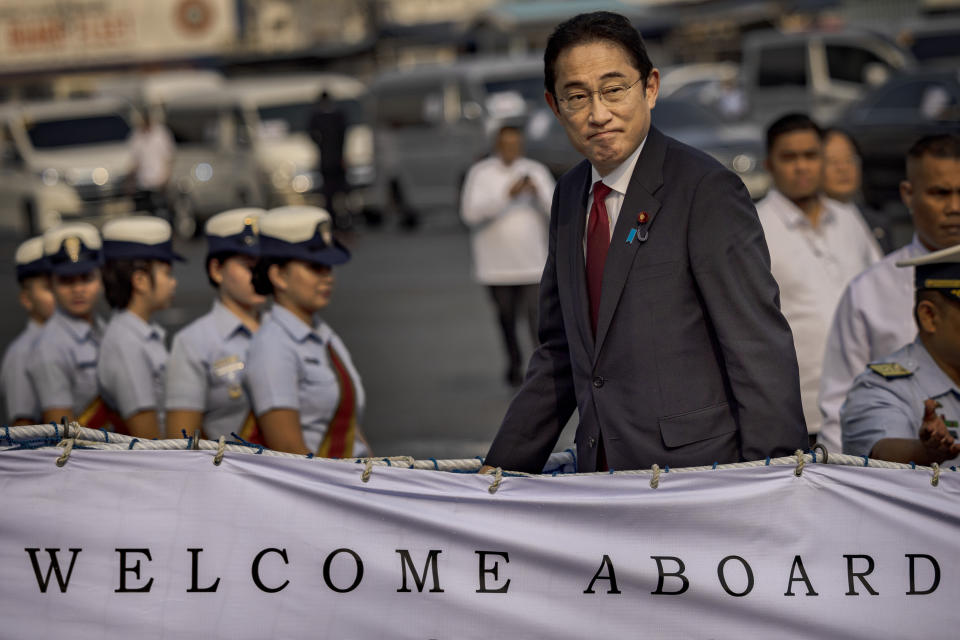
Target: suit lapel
x,y
578,267
646,180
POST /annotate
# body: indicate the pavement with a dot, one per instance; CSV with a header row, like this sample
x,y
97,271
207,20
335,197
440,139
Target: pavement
x,y
421,332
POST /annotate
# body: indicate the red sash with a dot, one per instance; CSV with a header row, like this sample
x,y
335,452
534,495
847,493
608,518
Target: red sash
x,y
98,415
342,430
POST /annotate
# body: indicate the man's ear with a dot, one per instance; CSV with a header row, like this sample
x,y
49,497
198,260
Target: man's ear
x,y
906,192
651,87
552,102
26,301
928,316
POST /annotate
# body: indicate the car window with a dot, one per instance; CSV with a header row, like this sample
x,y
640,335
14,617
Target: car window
x,y
293,117
924,99
194,126
783,66
409,105
68,132
679,114
935,45
848,63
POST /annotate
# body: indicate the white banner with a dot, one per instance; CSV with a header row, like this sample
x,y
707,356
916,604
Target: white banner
x,y
164,544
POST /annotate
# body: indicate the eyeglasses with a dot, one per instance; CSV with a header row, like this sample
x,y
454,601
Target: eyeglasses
x,y
579,99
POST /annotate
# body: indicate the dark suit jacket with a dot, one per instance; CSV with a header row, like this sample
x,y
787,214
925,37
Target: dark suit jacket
x,y
693,363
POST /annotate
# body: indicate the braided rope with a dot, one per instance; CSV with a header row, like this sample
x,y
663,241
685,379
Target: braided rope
x,y
34,436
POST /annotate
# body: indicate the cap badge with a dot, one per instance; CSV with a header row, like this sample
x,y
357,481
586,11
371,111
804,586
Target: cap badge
x,y
72,246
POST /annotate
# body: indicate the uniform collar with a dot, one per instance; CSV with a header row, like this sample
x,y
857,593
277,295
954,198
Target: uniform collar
x,y
79,330
930,377
793,216
145,330
297,329
915,249
226,322
619,178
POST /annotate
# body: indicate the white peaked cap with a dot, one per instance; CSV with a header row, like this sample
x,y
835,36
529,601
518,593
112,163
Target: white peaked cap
x,y
140,229
53,238
293,224
29,251
232,222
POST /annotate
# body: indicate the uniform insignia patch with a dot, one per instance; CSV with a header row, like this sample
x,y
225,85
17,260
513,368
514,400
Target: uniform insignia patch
x,y
72,246
890,370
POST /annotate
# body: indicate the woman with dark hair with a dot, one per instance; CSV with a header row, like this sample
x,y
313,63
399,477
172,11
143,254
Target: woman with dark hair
x,y
208,360
306,394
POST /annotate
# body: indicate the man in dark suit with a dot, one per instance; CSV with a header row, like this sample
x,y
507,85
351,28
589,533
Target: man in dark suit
x,y
659,318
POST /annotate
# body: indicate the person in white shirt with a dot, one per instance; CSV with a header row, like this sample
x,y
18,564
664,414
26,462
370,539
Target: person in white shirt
x,y
152,148
875,314
815,247
506,204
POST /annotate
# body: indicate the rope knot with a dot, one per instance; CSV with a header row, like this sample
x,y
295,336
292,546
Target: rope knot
x,y
655,480
221,447
800,462
497,479
367,470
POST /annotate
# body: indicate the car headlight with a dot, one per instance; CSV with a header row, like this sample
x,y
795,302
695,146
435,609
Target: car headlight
x,y
743,163
50,177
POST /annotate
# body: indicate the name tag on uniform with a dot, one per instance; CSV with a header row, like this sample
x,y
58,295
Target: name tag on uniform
x,y
311,361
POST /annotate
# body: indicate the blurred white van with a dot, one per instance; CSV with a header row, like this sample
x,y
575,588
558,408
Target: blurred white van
x,y
275,113
432,122
63,161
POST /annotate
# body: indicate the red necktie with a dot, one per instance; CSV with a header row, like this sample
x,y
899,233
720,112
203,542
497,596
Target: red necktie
x,y
598,242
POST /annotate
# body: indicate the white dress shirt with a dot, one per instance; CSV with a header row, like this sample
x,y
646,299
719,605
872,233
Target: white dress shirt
x,y
873,319
618,180
812,267
508,234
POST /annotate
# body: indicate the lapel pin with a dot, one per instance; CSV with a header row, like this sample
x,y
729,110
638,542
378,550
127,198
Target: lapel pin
x,y
642,219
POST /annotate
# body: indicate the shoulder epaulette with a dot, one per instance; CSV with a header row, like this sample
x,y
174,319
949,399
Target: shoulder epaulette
x,y
890,370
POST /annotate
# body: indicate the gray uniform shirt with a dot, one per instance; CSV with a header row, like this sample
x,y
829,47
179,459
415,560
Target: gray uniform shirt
x,y
63,370
133,360
19,396
205,371
288,368
879,407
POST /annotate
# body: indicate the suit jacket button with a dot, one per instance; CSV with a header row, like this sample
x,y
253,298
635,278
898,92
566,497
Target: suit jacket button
x,y
592,442
598,382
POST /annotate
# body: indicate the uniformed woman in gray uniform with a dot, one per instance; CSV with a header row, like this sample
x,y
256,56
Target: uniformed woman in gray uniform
x,y
63,369
138,281
207,363
306,393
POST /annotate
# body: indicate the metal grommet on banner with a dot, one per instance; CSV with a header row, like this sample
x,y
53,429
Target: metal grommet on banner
x,y
67,448
800,460
655,480
367,470
195,445
497,478
221,445
823,449
936,475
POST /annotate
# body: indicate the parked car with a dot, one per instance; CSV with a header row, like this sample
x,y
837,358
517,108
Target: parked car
x,y
888,121
214,167
432,122
274,112
739,147
64,161
819,73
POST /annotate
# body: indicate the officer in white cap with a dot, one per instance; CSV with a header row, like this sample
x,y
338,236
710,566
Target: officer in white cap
x,y
138,281
207,362
63,367
36,298
905,407
306,393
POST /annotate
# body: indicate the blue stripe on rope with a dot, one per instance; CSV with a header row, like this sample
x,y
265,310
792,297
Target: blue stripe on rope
x,y
913,465
55,426
309,455
768,461
666,469
813,452
106,434
866,461
715,465
132,442
436,467
387,460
